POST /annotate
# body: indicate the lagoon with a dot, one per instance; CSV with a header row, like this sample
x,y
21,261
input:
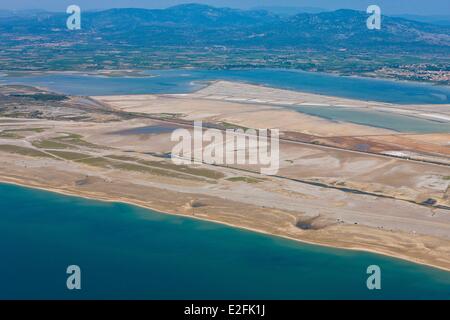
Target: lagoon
x,y
185,81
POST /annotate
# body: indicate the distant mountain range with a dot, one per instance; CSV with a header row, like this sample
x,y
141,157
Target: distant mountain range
x,y
201,25
290,11
200,36
442,20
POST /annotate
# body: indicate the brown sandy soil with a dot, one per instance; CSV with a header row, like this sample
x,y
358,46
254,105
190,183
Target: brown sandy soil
x,y
441,139
432,143
408,180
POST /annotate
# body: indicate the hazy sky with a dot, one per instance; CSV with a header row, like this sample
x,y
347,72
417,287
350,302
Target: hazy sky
x,y
423,7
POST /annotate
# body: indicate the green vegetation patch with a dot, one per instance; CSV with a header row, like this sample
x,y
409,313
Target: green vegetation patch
x,y
98,162
10,135
38,130
68,155
49,144
135,167
169,116
76,139
206,173
166,165
14,133
69,140
245,179
123,158
24,151
228,125
41,96
145,169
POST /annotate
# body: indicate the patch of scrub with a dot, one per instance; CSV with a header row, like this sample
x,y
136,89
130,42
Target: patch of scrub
x,y
24,151
165,165
128,166
98,162
245,179
69,140
202,172
228,125
49,144
76,139
38,130
10,135
14,133
68,155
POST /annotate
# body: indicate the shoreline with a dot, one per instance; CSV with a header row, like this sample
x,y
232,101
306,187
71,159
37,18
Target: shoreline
x,y
187,68
88,196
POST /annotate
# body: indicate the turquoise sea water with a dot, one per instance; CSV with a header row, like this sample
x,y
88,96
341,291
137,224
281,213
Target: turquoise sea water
x,y
182,81
128,252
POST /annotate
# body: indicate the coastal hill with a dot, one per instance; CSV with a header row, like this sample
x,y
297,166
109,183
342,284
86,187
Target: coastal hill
x,y
201,36
195,24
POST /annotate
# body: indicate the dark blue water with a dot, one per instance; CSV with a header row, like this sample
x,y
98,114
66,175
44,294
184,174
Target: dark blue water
x,y
127,252
183,81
